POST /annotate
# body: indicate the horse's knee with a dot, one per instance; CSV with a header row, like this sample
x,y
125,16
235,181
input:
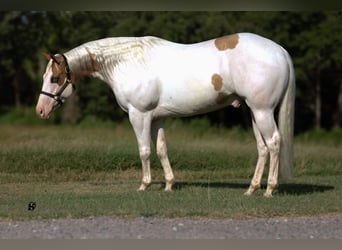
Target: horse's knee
x,y
161,151
144,153
262,151
273,143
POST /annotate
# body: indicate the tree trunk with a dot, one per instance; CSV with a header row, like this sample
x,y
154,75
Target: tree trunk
x,y
16,87
318,104
318,100
338,114
71,110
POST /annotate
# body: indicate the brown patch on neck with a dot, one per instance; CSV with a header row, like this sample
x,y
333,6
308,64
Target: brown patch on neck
x,y
88,67
227,42
216,81
74,77
94,64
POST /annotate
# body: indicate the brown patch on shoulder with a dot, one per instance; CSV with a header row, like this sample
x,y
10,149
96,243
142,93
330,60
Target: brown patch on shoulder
x,y
227,42
216,80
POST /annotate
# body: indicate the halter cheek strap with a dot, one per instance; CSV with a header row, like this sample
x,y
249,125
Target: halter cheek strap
x,y
58,96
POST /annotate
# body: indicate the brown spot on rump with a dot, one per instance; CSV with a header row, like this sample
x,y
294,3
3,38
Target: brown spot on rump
x,y
227,42
216,80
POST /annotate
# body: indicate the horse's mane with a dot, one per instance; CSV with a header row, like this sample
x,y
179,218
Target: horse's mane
x,y
109,52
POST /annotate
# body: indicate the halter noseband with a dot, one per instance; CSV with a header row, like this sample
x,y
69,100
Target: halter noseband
x,y
58,96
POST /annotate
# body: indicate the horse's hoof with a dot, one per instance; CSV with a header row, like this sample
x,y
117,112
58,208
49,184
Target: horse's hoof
x,y
168,185
248,193
251,189
269,190
268,195
143,186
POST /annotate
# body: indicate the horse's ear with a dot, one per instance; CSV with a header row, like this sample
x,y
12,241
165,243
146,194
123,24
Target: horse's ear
x,y
47,56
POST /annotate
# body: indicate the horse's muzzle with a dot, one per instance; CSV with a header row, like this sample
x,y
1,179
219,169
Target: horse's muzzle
x,y
43,109
42,114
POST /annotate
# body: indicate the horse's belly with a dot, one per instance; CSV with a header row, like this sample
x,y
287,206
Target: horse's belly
x,y
186,103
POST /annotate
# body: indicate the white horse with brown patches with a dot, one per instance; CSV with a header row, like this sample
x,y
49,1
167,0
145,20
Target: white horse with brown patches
x,y
153,78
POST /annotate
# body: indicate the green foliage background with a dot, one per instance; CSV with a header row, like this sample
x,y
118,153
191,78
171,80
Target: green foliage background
x,y
313,39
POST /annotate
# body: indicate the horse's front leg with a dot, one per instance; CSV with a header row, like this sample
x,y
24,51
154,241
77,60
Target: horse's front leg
x,y
141,122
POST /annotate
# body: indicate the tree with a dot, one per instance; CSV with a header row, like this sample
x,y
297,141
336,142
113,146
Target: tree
x,y
320,50
313,40
18,65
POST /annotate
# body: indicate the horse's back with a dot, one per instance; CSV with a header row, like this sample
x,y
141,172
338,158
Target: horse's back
x,y
202,77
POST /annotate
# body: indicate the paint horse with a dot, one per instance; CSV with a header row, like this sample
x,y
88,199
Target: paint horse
x,y
154,78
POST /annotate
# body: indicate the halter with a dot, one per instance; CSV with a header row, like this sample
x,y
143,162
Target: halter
x,y
58,96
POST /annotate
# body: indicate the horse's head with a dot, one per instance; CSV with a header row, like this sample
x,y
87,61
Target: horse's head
x,y
57,85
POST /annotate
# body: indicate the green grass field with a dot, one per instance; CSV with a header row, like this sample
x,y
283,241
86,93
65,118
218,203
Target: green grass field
x,y
78,171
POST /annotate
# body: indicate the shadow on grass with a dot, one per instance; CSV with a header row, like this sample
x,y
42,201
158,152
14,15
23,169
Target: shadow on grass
x,y
283,189
181,185
300,189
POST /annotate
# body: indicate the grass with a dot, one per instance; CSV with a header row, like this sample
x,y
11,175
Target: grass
x,y
79,171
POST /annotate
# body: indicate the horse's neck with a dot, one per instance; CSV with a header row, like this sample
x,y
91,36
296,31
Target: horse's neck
x,y
100,56
81,61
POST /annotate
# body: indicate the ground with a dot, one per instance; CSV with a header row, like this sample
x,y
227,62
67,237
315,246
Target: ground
x,y
156,228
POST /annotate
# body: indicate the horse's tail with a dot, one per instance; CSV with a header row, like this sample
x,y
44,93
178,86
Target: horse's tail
x,y
286,124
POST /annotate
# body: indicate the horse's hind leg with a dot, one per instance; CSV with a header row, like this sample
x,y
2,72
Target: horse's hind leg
x,y
262,158
158,137
265,123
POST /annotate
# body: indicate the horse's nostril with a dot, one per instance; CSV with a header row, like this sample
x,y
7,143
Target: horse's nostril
x,y
39,111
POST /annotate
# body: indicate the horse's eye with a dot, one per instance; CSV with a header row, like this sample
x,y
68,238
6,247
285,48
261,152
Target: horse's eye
x,y
54,79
